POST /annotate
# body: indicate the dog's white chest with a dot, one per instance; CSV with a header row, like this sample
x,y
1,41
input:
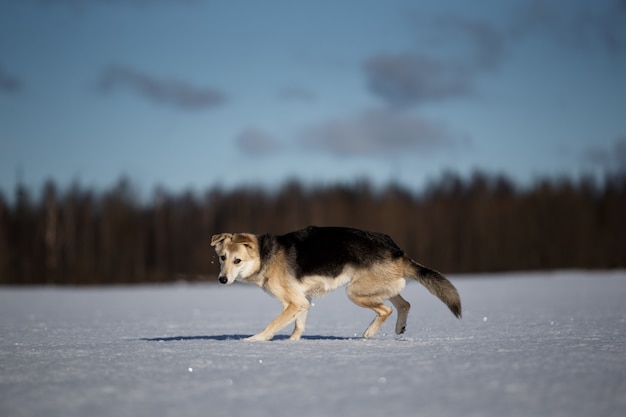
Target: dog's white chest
x,y
317,285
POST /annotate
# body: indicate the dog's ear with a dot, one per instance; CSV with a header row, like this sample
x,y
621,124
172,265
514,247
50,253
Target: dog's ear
x,y
220,237
246,239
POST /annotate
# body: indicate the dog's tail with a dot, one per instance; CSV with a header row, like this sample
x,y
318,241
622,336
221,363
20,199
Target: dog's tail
x,y
437,284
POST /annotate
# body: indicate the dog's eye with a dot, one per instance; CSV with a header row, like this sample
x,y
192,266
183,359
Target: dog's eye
x,y
236,261
223,258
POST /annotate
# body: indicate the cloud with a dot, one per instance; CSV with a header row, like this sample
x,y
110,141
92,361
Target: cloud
x,y
172,92
255,142
296,94
610,157
466,48
378,132
619,153
409,79
9,83
602,25
76,4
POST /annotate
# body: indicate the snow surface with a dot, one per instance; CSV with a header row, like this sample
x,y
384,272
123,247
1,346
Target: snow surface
x,y
541,344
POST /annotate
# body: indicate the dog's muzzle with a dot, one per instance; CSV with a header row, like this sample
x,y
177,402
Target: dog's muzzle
x,y
222,279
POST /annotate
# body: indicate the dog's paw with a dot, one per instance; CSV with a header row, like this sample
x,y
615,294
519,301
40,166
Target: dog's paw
x,y
369,333
256,338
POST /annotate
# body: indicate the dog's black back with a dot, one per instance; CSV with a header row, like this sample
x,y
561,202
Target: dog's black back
x,y
326,251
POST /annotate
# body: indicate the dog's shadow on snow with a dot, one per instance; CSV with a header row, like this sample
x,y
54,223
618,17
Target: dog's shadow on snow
x,y
223,337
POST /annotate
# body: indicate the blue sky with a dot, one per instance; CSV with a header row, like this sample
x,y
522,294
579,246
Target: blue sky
x,y
194,93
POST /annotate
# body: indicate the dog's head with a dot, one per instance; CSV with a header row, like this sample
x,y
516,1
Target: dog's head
x,y
238,254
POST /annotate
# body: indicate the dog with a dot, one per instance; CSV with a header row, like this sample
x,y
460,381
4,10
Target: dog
x,y
297,266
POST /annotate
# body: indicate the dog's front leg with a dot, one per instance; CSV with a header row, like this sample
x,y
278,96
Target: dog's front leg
x,y
288,315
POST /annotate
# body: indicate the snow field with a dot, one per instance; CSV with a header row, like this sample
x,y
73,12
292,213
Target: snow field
x,y
540,344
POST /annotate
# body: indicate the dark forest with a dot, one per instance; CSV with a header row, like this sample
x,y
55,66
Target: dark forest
x,y
481,223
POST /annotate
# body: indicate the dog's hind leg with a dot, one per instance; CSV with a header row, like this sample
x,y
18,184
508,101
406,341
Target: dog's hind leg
x,y
403,308
371,288
382,312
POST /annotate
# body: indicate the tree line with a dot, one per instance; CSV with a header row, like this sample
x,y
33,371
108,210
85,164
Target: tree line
x,y
481,223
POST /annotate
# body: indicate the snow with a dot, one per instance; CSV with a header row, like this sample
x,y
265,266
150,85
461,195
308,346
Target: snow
x,y
541,344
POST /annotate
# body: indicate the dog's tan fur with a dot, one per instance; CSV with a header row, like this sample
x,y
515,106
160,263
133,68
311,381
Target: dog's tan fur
x,y
368,287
